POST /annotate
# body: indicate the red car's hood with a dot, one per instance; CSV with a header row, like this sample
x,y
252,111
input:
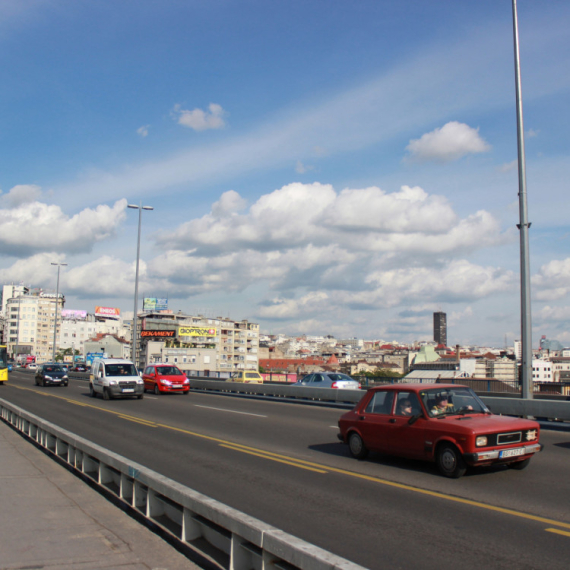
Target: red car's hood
x,y
490,423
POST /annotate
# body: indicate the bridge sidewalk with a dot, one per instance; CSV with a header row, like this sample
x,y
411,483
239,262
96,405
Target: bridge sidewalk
x,y
50,519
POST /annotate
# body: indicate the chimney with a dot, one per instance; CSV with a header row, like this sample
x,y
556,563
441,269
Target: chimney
x,y
457,355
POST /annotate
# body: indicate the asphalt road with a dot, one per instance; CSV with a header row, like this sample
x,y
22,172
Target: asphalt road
x,y
282,463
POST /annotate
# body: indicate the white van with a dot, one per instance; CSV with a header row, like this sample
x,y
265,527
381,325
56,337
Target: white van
x,y
113,378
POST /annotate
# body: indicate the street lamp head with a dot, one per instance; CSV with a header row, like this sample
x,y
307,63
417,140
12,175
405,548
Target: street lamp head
x,y
62,264
134,207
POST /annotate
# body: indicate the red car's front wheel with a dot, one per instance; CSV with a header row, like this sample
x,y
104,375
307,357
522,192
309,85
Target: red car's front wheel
x,y
356,446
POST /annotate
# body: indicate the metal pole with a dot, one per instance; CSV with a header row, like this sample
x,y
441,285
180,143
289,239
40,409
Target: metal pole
x,y
524,225
140,208
56,305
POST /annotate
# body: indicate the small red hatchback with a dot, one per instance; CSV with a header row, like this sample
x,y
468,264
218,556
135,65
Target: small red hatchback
x,y
444,423
160,378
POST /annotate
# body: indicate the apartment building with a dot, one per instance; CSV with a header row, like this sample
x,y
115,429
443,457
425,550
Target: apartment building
x,y
78,327
30,319
197,343
542,371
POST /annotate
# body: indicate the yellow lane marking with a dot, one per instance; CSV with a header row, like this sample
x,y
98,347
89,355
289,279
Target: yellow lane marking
x,y
557,531
267,456
137,420
326,468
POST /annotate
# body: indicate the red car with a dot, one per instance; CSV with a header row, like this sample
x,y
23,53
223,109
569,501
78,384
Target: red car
x,y
444,423
161,378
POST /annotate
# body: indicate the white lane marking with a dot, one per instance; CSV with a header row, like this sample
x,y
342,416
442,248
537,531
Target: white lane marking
x,y
231,411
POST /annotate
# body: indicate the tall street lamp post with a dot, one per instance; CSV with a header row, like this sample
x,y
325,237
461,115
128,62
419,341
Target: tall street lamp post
x,y
140,208
524,225
59,265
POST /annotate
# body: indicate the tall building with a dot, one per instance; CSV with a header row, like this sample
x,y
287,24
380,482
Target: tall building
x,y
29,324
440,328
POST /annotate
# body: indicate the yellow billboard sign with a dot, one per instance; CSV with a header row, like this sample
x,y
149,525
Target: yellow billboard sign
x,y
196,331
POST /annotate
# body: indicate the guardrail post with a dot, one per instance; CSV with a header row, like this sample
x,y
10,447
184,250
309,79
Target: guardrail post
x,y
154,507
191,530
126,491
140,497
241,554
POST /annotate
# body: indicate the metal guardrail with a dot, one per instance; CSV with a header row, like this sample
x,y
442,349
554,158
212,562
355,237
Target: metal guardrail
x,y
223,535
538,408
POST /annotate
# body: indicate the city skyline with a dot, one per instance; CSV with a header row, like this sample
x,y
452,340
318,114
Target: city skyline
x,y
341,169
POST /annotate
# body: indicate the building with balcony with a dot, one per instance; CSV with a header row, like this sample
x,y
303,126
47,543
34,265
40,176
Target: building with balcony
x,y
30,319
214,346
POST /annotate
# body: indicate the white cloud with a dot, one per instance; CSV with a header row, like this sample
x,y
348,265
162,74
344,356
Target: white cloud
x,y
143,131
33,227
360,220
21,194
230,202
301,168
531,133
201,120
36,270
508,166
451,142
313,302
105,276
552,282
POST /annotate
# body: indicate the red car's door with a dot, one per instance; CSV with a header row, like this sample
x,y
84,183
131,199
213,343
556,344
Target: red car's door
x,y
373,421
402,438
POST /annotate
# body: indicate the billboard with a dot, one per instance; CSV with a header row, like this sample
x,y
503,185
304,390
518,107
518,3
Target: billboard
x,y
91,356
154,304
73,314
196,331
107,312
158,334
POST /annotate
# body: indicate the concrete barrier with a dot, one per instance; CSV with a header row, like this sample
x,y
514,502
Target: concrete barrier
x,y
223,535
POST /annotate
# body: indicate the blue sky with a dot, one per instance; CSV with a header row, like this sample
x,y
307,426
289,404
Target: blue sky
x,y
319,167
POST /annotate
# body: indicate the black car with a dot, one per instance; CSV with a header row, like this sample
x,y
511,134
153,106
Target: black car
x,y
49,373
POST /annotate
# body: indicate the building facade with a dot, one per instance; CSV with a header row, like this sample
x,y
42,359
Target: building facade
x,y
30,320
203,345
440,328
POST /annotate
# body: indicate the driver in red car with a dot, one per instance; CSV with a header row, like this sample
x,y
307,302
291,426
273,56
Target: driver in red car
x,y
442,405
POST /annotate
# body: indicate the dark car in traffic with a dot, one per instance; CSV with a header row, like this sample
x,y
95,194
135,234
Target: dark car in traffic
x,y
51,374
443,423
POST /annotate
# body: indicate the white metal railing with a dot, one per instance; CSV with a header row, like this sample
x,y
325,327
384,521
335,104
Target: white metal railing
x,y
195,520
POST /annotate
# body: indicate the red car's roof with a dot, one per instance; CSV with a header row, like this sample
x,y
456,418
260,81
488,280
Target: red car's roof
x,y
417,387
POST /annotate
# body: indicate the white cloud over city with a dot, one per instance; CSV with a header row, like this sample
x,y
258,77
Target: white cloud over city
x,y
28,225
200,120
451,142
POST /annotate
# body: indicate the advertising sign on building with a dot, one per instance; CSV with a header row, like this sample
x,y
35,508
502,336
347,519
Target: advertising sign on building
x,y
196,331
91,356
107,312
158,334
154,304
73,314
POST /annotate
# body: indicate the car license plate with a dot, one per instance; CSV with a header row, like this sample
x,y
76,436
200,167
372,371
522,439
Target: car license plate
x,y
511,452
128,390
177,386
57,379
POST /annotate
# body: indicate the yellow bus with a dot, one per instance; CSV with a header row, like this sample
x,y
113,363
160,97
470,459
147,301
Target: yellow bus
x,y
3,363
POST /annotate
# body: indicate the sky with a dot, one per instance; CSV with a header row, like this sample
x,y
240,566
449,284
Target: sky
x,y
316,166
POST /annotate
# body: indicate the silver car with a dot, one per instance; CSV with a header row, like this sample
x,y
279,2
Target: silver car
x,y
329,380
